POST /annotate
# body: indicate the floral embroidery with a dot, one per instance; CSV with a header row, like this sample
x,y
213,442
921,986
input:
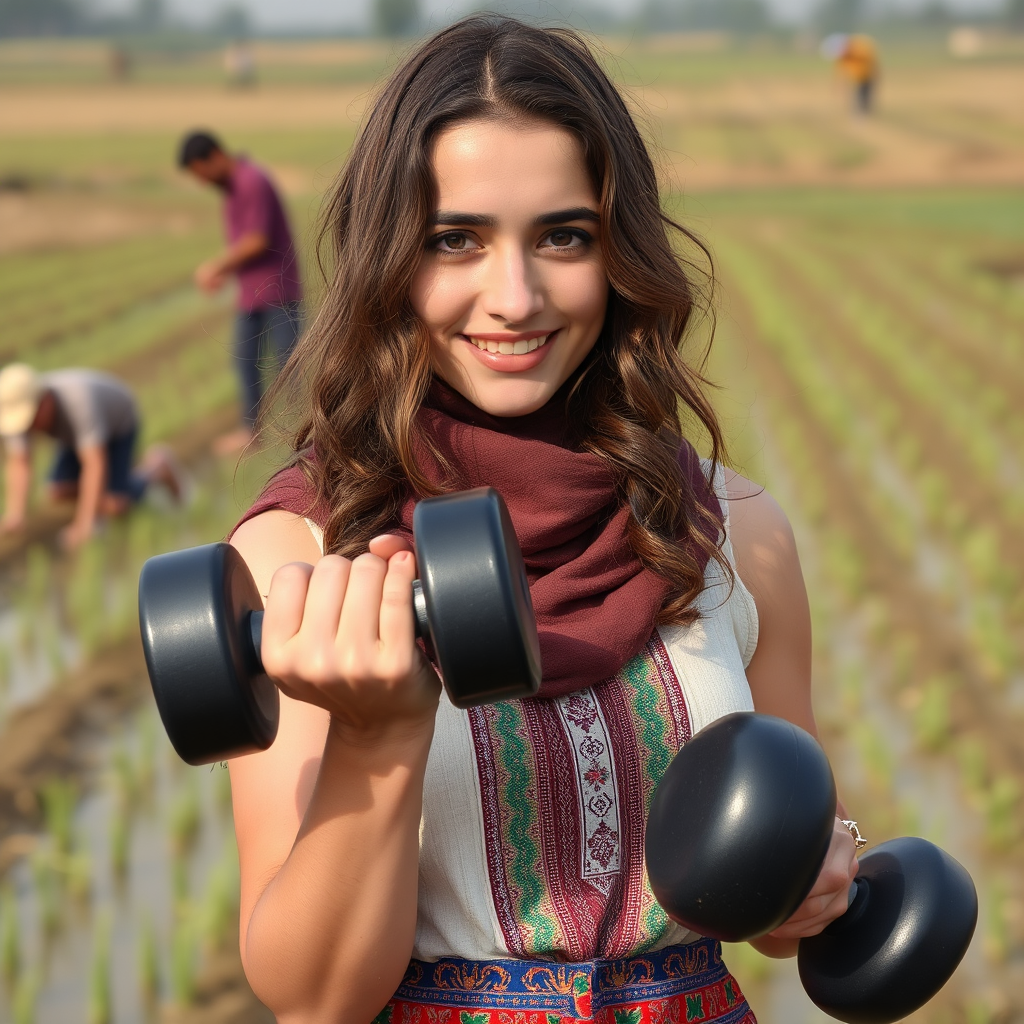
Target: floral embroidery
x,y
640,990
565,786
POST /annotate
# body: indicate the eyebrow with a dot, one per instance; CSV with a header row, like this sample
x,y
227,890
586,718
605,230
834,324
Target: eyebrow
x,y
483,220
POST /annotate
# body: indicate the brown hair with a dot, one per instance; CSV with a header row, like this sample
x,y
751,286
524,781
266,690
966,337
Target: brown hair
x,y
365,362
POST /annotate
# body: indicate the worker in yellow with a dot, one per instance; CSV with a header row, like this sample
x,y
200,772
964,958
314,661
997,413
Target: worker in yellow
x,y
857,62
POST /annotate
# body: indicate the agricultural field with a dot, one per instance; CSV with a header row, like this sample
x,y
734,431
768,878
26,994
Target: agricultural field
x,y
870,315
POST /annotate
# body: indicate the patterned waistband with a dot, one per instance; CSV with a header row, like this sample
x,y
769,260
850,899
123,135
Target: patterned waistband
x,y
684,983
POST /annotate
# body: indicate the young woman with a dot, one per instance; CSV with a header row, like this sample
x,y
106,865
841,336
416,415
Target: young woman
x,y
506,309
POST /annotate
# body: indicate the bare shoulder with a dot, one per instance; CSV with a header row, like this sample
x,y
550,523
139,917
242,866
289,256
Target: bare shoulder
x,y
761,534
273,539
767,561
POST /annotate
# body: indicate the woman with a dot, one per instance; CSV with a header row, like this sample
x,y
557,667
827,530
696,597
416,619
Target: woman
x,y
506,310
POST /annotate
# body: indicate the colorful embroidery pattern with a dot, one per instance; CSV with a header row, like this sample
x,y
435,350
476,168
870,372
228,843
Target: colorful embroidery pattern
x,y
675,985
565,787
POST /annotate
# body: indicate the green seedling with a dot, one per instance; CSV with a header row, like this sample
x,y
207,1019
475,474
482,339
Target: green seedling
x,y
77,868
54,650
10,937
220,905
222,789
933,718
851,685
970,754
58,798
5,668
149,962
26,995
145,765
185,819
1002,827
120,841
47,896
101,1009
998,940
86,598
184,959
876,757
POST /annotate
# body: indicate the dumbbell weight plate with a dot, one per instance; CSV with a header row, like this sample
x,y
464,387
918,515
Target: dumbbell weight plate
x,y
898,944
482,626
214,699
739,826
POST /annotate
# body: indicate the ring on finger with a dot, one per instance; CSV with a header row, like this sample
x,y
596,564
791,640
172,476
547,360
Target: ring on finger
x,y
859,841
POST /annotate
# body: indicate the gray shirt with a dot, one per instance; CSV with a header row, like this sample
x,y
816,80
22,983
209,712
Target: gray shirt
x,y
91,409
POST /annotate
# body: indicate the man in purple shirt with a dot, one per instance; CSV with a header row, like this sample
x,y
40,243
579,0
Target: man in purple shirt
x,y
261,254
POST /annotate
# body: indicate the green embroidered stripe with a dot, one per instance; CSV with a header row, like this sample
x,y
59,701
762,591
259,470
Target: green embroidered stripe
x,y
641,674
525,869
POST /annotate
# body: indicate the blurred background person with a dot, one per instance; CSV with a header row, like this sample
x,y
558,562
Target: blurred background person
x,y
856,60
94,419
261,254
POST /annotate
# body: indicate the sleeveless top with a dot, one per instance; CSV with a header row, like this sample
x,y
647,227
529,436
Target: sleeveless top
x,y
534,811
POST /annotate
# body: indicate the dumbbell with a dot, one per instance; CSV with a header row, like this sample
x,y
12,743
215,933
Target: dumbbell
x,y
738,831
201,617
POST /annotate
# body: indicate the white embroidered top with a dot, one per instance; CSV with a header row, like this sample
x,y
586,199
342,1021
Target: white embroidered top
x,y
531,841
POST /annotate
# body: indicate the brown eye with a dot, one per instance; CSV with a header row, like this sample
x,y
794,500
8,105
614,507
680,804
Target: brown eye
x,y
454,241
561,238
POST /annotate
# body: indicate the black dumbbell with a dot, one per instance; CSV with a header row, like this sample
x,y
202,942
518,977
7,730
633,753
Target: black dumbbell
x,y
738,831
201,617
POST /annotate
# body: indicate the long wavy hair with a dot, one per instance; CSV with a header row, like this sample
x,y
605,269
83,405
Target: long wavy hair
x,y
364,366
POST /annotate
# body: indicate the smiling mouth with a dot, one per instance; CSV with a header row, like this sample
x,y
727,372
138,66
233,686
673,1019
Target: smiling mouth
x,y
510,348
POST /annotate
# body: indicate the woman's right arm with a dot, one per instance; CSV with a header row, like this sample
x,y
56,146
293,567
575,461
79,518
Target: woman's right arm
x,y
328,818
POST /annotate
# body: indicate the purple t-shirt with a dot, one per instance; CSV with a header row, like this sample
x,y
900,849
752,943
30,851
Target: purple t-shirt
x,y
252,204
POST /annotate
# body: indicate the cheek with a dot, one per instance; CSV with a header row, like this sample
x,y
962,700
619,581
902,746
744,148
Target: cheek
x,y
438,298
584,295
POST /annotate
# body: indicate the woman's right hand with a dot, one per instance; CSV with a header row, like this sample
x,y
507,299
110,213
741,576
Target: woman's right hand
x,y
340,635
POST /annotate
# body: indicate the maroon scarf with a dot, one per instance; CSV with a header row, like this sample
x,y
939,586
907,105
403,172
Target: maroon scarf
x,y
596,604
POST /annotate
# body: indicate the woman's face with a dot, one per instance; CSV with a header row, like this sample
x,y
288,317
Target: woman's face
x,y
512,284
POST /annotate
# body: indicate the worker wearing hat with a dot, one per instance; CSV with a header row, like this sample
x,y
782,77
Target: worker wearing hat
x,y
94,420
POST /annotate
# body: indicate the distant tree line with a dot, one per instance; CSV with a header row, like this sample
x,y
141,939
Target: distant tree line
x,y
77,17
404,17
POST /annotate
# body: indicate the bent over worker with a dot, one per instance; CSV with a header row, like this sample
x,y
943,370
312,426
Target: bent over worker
x,y
94,419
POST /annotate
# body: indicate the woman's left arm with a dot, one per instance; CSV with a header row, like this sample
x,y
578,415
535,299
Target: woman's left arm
x,y
780,679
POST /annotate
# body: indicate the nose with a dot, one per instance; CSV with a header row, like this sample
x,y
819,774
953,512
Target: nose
x,y
512,287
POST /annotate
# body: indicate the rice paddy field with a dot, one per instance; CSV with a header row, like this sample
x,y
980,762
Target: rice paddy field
x,y
870,356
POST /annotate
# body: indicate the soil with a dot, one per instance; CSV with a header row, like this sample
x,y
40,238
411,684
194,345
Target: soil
x,y
32,220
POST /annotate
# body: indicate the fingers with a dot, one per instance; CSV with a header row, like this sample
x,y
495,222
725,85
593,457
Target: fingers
x,y
387,545
829,896
325,596
284,604
397,630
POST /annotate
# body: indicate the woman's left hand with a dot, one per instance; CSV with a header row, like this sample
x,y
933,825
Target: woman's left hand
x,y
829,897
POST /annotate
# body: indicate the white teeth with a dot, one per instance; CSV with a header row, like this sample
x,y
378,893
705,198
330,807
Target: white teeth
x,y
509,348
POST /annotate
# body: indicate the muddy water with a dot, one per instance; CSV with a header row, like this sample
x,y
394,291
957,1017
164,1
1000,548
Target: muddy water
x,y
160,891
77,930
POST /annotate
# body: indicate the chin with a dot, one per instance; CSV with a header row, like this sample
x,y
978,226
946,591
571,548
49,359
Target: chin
x,y
513,399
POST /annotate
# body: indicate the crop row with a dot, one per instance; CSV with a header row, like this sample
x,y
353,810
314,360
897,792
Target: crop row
x,y
923,506
839,409
48,295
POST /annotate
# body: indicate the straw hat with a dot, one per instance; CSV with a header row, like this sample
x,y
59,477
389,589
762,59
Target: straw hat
x,y
20,391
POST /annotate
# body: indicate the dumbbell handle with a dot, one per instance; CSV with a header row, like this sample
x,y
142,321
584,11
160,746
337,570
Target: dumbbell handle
x,y
421,622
